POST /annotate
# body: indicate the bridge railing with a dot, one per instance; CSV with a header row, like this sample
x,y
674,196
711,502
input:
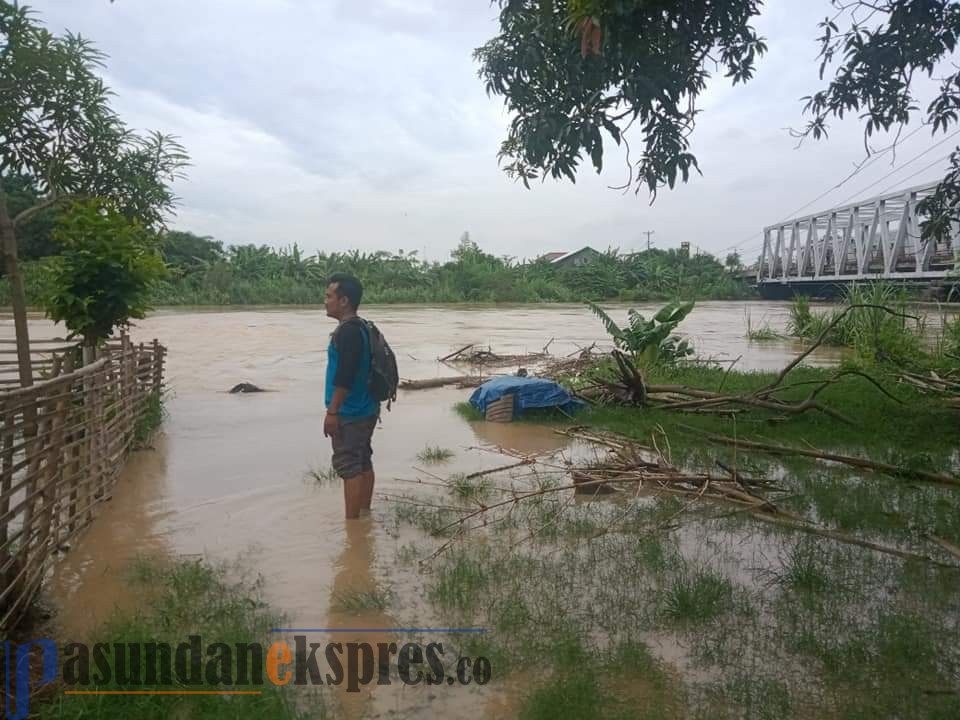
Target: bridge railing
x,y
875,238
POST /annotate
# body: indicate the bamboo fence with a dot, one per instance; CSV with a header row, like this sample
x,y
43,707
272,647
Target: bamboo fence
x,y
44,355
62,445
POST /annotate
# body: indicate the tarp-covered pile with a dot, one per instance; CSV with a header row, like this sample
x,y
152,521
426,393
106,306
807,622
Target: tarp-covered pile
x,y
529,393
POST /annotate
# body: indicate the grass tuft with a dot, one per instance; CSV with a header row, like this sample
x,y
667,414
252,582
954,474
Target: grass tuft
x,y
323,476
151,417
468,412
468,489
803,568
697,596
761,333
434,454
358,601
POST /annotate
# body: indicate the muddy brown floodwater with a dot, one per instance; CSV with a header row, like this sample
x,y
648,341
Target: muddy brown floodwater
x,y
226,476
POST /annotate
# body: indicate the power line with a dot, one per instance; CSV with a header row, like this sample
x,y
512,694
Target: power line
x,y
860,168
864,189
898,182
898,169
856,172
889,187
918,172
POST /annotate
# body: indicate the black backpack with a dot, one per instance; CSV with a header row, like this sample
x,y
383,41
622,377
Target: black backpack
x,y
384,378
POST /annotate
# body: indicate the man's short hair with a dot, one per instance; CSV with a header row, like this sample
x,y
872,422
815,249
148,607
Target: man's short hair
x,y
347,286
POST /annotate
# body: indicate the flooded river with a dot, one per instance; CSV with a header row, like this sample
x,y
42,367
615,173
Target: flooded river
x,y
227,477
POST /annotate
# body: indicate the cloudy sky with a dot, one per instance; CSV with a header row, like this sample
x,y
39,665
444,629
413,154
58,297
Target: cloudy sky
x,y
342,124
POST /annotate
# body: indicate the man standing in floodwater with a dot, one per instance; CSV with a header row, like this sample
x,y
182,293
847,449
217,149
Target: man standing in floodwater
x,y
352,413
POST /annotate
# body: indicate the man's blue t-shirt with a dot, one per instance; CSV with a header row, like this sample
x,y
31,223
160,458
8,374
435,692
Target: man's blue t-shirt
x,y
348,366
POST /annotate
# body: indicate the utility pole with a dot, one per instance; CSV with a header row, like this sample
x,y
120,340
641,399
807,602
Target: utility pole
x,y
648,233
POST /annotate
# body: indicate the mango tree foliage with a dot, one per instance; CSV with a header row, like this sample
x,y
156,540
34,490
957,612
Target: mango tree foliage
x,y
572,72
58,130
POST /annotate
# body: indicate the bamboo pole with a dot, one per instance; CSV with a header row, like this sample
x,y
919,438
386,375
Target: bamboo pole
x,y
59,454
29,556
50,487
157,367
6,466
72,450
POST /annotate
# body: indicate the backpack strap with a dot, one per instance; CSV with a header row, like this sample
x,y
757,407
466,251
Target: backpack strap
x,y
363,324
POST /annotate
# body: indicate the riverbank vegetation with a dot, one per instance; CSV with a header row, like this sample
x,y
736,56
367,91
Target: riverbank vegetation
x,y
151,417
875,336
181,598
203,272
812,589
755,563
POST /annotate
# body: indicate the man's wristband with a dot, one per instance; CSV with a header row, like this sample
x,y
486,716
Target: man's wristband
x,y
332,412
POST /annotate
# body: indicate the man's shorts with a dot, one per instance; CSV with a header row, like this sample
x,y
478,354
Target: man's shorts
x,y
352,452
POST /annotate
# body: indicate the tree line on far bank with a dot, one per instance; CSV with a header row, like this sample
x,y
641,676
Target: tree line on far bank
x,y
202,271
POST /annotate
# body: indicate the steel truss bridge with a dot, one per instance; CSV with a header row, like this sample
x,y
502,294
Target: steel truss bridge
x,y
875,239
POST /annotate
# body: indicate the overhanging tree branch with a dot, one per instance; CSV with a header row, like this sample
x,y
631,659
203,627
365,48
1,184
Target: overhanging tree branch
x,y
24,215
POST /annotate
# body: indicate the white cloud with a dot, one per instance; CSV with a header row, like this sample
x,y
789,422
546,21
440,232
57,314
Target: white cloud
x,y
346,124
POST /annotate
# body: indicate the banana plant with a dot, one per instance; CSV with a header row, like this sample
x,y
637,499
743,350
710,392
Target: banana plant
x,y
650,341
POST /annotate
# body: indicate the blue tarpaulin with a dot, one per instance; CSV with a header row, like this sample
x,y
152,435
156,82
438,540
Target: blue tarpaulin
x,y
528,393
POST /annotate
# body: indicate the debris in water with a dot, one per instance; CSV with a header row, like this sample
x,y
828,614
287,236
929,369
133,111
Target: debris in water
x,y
246,387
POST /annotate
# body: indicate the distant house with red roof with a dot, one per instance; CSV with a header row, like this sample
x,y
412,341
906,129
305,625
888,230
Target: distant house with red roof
x,y
570,259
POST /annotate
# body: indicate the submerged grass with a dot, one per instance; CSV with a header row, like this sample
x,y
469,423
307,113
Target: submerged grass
x,y
803,570
151,417
323,476
358,601
876,336
470,489
834,624
756,621
762,332
697,596
434,454
183,598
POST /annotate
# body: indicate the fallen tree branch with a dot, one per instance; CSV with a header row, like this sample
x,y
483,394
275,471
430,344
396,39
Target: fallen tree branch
x,y
850,460
823,384
950,547
439,382
455,353
726,374
704,398
481,473
651,473
823,335
810,528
